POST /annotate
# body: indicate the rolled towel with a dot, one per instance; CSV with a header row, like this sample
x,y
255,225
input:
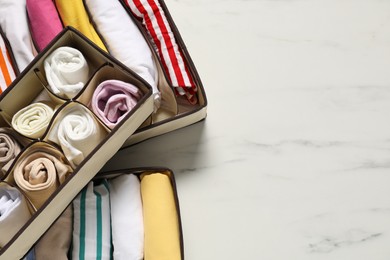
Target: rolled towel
x,y
7,73
55,243
73,13
14,213
10,147
153,18
91,223
45,23
113,100
32,120
126,218
77,132
66,71
162,237
13,21
39,171
124,40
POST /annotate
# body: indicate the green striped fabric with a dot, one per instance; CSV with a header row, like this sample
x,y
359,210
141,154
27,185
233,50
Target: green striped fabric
x,y
92,223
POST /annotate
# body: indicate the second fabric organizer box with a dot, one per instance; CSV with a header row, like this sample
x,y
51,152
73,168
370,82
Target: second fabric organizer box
x,y
60,122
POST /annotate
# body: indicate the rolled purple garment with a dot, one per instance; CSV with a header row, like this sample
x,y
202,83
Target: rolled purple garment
x,y
113,99
44,20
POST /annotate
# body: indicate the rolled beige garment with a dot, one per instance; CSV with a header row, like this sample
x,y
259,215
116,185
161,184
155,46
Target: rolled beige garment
x,y
14,212
39,171
32,120
10,146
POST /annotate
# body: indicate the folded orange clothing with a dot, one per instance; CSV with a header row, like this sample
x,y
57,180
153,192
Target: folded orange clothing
x,y
161,224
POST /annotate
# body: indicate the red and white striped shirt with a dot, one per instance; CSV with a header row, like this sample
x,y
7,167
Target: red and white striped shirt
x,y
7,74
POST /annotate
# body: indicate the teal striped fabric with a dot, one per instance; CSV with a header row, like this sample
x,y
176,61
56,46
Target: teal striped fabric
x,y
92,223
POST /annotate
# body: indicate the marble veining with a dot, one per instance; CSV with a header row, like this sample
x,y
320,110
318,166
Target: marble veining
x,y
293,160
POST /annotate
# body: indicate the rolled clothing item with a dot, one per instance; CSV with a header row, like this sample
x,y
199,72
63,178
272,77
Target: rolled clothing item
x,y
66,71
13,22
73,13
44,21
7,72
112,100
127,218
30,255
55,243
32,120
14,213
92,223
124,40
77,132
162,237
10,147
39,171
151,14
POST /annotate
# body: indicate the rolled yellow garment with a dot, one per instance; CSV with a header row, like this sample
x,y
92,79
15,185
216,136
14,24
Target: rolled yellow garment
x,y
39,171
161,224
73,13
32,120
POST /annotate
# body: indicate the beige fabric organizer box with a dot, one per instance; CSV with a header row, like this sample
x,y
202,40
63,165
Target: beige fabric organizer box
x,y
71,173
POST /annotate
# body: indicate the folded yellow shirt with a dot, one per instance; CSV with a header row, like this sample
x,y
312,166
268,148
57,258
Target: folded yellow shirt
x,y
162,238
73,13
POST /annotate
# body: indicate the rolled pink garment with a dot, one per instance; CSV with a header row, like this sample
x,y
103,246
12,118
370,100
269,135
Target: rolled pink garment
x,y
44,20
113,99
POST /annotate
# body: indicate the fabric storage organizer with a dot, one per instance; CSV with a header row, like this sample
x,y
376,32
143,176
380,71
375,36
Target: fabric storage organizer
x,y
122,214
175,111
30,87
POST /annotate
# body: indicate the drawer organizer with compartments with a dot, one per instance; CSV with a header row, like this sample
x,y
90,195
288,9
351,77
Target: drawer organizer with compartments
x,y
56,162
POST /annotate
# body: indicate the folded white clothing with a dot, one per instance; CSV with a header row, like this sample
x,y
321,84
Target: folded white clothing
x,y
13,21
14,213
66,71
127,218
32,120
124,40
77,132
91,223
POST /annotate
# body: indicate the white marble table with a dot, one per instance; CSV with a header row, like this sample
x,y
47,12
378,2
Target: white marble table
x,y
293,161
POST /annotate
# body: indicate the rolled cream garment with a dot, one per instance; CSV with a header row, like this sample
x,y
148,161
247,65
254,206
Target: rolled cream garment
x,y
14,212
77,132
162,237
66,71
32,120
39,171
92,223
112,100
44,21
55,243
127,217
10,147
7,72
124,40
13,21
73,13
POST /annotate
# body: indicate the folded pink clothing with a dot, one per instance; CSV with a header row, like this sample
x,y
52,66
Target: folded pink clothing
x,y
44,21
113,99
153,18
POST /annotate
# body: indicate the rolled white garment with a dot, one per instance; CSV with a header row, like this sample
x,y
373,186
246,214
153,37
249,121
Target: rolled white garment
x,y
127,218
14,213
32,120
77,132
124,40
14,22
66,71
